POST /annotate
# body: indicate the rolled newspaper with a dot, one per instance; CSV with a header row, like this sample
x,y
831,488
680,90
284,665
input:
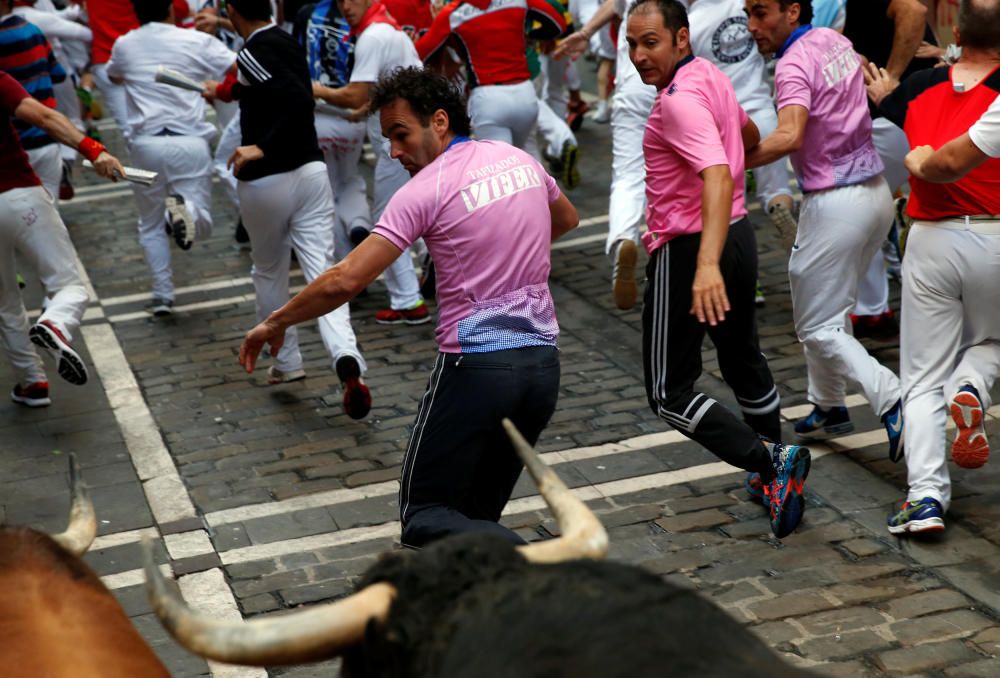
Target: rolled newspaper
x,y
330,109
136,176
171,77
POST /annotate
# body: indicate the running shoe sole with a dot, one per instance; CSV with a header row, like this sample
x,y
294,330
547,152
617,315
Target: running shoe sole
x,y
793,504
181,221
915,526
624,288
69,363
971,448
570,168
31,402
276,376
405,321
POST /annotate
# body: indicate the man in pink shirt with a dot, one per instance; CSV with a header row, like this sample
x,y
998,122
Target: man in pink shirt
x,y
702,269
823,123
488,213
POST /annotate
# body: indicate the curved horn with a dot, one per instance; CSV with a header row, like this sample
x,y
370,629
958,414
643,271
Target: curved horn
x,y
82,528
316,633
583,536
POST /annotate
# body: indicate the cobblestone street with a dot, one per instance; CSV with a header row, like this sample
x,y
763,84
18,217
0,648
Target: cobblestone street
x,y
262,498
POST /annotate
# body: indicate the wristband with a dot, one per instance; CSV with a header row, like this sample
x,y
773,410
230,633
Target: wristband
x,y
91,148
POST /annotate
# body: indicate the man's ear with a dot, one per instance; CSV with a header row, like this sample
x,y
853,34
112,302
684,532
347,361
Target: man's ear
x,y
440,121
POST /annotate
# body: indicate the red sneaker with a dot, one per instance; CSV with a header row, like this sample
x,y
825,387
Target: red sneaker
x,y
49,337
574,113
418,315
35,394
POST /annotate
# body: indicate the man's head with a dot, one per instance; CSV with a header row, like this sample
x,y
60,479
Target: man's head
x,y
978,24
150,11
771,21
245,14
658,38
354,10
421,112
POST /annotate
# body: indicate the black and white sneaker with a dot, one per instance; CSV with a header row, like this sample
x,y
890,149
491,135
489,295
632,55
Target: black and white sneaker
x,y
180,223
70,364
161,308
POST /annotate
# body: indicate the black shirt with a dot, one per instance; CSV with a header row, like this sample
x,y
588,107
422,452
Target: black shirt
x,y
872,33
276,104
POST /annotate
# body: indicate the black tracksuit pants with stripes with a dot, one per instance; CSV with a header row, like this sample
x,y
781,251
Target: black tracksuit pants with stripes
x,y
671,351
460,468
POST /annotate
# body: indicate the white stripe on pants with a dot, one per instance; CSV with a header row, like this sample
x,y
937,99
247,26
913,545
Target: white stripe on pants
x,y
341,142
839,230
949,318
184,165
504,112
400,277
30,224
294,210
47,162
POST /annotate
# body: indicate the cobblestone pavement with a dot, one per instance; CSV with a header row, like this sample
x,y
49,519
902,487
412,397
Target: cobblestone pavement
x,y
270,497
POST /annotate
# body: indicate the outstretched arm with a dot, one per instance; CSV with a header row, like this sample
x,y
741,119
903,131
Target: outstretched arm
x,y
787,138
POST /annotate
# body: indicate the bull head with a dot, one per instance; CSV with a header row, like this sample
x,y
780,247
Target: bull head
x,y
327,630
82,528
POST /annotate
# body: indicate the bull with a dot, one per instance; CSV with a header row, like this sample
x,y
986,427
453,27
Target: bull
x,y
478,606
57,619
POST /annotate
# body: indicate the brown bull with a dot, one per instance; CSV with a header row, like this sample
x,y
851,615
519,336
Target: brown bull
x,y
57,619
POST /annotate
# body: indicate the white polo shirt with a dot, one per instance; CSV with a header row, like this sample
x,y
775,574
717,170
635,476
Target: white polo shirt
x,y
985,134
379,50
153,107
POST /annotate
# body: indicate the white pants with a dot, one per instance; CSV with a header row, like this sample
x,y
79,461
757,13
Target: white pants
x,y
184,165
68,103
229,141
30,224
627,204
839,230
504,112
113,95
400,278
47,162
341,142
294,210
558,76
772,180
949,336
892,147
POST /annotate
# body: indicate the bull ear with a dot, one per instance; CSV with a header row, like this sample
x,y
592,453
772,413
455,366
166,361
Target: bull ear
x,y
316,633
82,528
583,536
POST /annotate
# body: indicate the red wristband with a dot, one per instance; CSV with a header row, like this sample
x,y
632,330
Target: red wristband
x,y
224,90
91,149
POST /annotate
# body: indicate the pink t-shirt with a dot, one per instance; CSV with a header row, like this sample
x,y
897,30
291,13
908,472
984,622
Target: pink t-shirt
x,y
482,208
695,123
822,72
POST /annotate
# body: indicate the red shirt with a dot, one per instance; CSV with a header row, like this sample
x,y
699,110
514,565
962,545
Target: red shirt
x,y
108,20
931,112
15,170
413,16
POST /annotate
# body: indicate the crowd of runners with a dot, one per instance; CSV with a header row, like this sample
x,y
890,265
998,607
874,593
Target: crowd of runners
x,y
855,128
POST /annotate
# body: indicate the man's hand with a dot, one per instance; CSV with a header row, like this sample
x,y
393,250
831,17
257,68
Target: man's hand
x,y
708,295
915,159
929,51
879,83
209,91
108,166
242,155
265,333
572,46
207,20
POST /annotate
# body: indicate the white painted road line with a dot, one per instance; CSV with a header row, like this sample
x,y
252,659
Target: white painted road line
x,y
131,577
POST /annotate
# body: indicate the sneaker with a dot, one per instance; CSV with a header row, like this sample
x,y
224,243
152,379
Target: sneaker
x,y
603,114
276,376
35,394
160,308
570,171
358,234
893,422
971,448
784,493
758,296
785,224
20,281
66,190
418,315
241,236
623,286
754,487
71,367
575,111
882,327
180,221
924,516
357,397
822,423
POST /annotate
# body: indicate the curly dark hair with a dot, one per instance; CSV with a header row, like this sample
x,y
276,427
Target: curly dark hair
x,y
426,92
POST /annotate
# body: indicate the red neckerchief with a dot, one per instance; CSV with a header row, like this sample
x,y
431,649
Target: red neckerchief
x,y
376,14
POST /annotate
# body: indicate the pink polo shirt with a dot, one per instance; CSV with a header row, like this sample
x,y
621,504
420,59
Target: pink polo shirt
x,y
821,72
695,123
482,208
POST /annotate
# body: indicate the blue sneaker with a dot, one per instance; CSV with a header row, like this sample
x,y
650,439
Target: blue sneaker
x,y
784,493
924,516
822,423
893,422
754,487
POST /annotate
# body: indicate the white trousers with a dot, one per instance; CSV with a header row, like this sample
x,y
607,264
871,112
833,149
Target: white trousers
x,y
400,278
341,142
558,76
949,336
504,112
229,141
30,224
627,203
839,230
772,180
68,103
282,212
113,95
184,165
47,162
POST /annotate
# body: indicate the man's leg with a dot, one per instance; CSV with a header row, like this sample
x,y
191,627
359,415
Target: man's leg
x,y
189,163
149,200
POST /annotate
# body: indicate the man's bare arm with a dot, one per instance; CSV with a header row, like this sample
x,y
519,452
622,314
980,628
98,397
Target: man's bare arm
x,y
949,163
353,95
910,18
787,138
575,44
750,134
709,302
564,217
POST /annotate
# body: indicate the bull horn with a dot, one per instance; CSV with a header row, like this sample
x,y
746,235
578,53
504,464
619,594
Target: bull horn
x,y
583,536
82,528
316,633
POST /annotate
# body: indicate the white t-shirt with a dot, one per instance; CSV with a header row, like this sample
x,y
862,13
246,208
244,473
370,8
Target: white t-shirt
x,y
985,134
152,106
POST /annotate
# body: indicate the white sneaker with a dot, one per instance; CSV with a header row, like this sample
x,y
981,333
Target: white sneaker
x,y
276,376
603,113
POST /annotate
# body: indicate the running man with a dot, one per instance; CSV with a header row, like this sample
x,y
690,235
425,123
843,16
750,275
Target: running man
x,y
702,269
497,327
